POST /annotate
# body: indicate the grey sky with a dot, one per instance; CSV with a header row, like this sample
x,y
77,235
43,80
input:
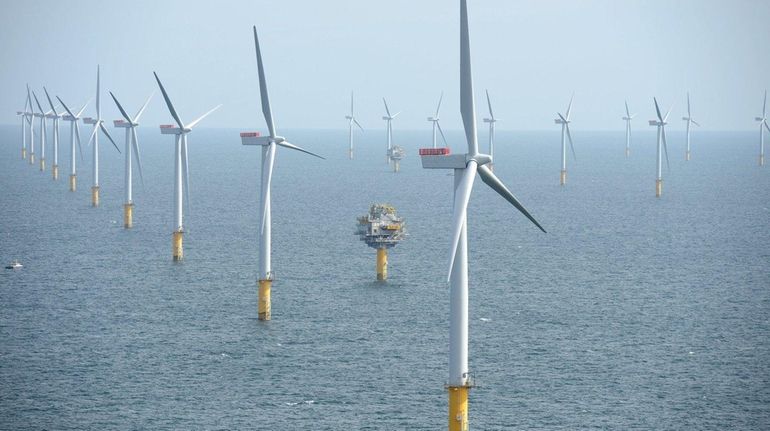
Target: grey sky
x,y
530,54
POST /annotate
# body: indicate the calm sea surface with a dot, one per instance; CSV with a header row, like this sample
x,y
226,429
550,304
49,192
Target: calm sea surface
x,y
631,313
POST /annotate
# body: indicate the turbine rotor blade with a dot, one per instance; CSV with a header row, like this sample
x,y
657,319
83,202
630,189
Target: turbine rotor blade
x,y
101,126
627,113
268,183
266,111
688,105
440,99
657,109
459,211
66,108
386,107
467,104
569,107
81,109
294,147
357,124
489,103
49,101
665,118
186,171
198,120
135,146
120,108
569,137
98,106
168,103
77,135
695,122
38,103
492,181
665,147
141,111
96,129
438,125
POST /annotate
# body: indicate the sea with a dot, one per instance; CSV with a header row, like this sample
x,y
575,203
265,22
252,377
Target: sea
x,y
632,313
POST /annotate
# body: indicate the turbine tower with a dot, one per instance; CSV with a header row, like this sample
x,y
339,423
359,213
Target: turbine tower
x,y
32,116
628,119
98,124
660,123
180,168
55,116
351,120
74,133
42,115
564,121
26,116
491,120
132,142
762,122
389,118
436,125
465,167
269,145
689,120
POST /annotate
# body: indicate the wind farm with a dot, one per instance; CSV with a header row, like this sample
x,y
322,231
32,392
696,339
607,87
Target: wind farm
x,y
633,311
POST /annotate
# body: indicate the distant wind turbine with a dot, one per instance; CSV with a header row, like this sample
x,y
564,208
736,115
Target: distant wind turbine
x,y
389,118
351,120
98,124
689,121
491,120
26,118
762,122
55,116
180,168
628,119
42,115
32,116
564,121
436,125
660,123
74,133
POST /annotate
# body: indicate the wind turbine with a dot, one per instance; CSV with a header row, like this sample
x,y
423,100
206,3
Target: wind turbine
x,y
55,116
98,124
491,120
436,125
389,118
465,167
762,122
689,120
132,142
269,145
351,120
74,132
628,119
564,121
660,123
25,115
180,168
31,115
42,115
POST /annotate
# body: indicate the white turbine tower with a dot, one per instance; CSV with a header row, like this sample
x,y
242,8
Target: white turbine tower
x,y
74,133
762,122
32,115
465,167
564,121
98,124
389,118
132,143
55,116
660,123
689,120
269,145
42,115
628,119
491,120
180,168
26,118
436,125
351,120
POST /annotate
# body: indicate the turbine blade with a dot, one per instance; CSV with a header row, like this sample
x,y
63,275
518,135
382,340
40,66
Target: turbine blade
x,y
459,211
268,174
351,104
764,106
657,109
66,108
395,115
120,108
569,107
77,135
101,126
98,106
266,111
442,133
135,146
38,103
667,113
628,115
467,104
440,99
569,137
695,122
489,102
386,107
688,105
294,147
168,103
492,181
665,147
81,109
191,125
359,126
767,127
96,129
186,171
141,111
49,101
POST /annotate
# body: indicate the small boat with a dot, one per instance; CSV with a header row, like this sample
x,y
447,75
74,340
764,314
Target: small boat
x,y
14,265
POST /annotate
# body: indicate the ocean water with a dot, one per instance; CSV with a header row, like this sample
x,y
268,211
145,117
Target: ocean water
x,y
631,312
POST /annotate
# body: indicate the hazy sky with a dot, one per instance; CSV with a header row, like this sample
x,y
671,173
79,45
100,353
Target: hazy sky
x,y
531,55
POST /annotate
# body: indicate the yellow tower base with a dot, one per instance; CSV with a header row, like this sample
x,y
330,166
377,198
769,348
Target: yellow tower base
x,y
761,160
128,216
95,196
687,156
658,188
396,166
42,165
563,178
382,264
31,158
263,306
73,183
177,252
55,170
458,408
350,154
23,153
628,151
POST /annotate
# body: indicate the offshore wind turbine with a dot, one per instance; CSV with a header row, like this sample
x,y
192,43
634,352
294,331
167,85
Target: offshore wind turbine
x,y
564,121
98,124
491,120
762,122
436,125
628,119
465,167
689,121
269,145
180,168
351,120
74,133
660,123
32,116
26,116
42,115
389,118
132,143
55,116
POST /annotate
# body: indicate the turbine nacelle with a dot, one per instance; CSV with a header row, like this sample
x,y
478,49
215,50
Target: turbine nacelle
x,y
657,123
124,124
491,120
453,161
759,119
561,121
